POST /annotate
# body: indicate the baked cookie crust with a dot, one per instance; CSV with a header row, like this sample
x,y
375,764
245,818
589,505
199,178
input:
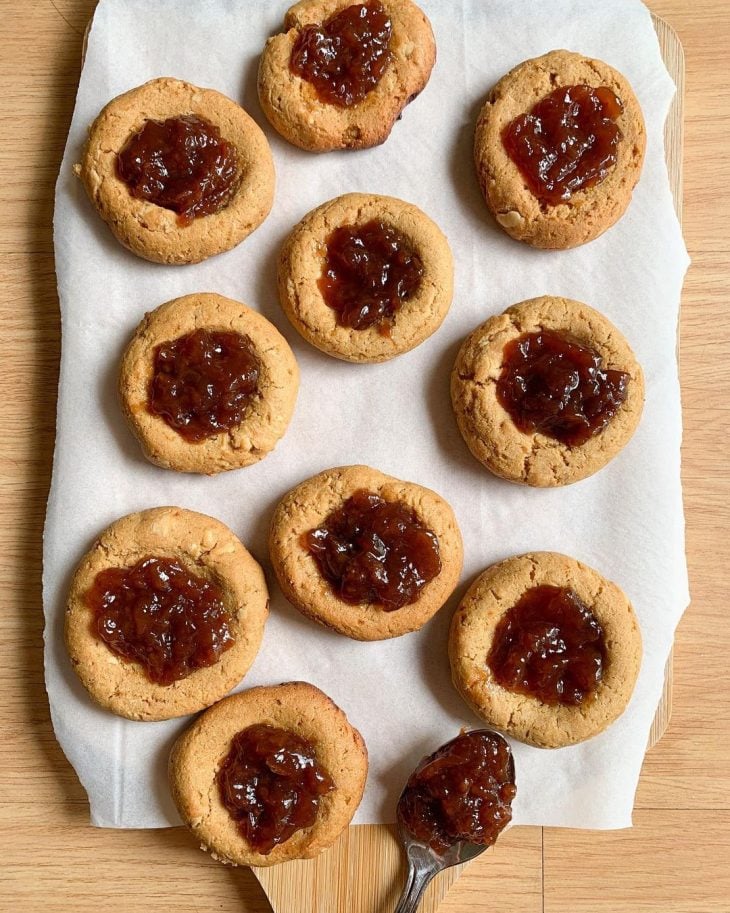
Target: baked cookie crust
x,y
301,117
589,212
203,546
526,718
299,707
268,414
310,503
301,264
151,231
487,428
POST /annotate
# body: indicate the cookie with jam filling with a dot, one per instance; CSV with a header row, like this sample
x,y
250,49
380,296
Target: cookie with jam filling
x,y
365,277
207,384
365,554
269,774
545,649
165,614
559,147
177,172
546,393
341,72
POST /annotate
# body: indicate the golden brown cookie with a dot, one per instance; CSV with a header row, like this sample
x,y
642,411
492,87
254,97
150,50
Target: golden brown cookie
x,y
302,264
298,707
306,508
589,211
151,231
303,117
522,715
488,429
267,413
201,546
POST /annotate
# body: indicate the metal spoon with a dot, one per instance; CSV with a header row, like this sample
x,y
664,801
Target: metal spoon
x,y
425,863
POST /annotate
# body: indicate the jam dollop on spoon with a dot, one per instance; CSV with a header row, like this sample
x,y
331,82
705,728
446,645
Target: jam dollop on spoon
x,y
454,805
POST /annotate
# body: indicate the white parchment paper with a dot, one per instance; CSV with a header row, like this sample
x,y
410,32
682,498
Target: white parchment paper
x,y
626,521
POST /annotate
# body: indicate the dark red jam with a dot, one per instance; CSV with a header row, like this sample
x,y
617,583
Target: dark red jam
x,y
162,616
203,382
463,791
550,385
369,271
271,783
375,551
345,57
566,142
182,164
550,646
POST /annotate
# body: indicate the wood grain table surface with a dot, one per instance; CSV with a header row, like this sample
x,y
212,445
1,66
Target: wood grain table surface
x,y
676,858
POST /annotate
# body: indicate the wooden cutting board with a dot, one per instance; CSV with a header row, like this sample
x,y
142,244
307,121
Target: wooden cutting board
x,y
364,871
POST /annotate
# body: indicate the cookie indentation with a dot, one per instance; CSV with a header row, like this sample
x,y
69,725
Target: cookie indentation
x,y
162,616
556,387
182,164
203,382
374,551
566,142
271,783
346,56
369,271
549,645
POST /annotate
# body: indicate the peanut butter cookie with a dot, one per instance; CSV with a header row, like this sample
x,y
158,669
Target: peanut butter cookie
x,y
365,278
559,147
178,173
221,783
545,649
341,72
365,554
546,393
165,614
207,384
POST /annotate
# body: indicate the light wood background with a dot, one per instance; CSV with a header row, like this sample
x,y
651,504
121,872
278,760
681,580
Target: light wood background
x,y
676,858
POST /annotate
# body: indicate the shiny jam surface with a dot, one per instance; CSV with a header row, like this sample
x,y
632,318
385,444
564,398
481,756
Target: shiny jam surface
x,y
182,164
375,551
464,791
552,386
345,57
550,646
271,783
162,616
369,271
566,142
203,382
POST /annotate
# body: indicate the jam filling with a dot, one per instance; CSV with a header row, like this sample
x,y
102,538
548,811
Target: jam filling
x,y
369,271
182,164
203,382
463,791
566,142
375,551
162,616
345,57
271,783
550,646
552,386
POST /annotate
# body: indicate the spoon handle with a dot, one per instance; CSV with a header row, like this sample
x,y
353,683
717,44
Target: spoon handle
x,y
416,883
